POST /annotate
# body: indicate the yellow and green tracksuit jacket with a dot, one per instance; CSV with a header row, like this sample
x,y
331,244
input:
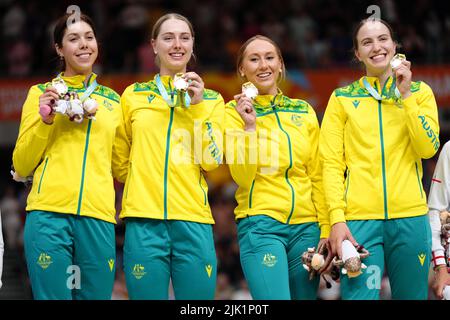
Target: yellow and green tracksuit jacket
x,y
168,149
372,150
277,167
70,162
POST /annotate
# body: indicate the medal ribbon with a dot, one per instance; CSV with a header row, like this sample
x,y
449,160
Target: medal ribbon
x,y
163,92
395,89
89,90
374,93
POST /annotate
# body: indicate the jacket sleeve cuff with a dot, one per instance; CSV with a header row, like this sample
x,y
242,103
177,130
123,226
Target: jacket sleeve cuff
x,y
410,103
325,231
43,130
337,216
438,258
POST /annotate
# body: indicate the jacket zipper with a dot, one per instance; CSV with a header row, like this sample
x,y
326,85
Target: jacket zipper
x,y
166,161
383,160
201,187
286,174
42,175
83,170
418,180
251,194
348,184
128,181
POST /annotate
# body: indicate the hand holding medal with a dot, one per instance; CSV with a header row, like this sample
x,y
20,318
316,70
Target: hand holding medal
x,y
244,105
69,103
46,102
195,87
401,70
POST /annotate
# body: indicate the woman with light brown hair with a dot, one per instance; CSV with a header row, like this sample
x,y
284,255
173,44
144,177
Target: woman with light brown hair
x,y
172,126
272,152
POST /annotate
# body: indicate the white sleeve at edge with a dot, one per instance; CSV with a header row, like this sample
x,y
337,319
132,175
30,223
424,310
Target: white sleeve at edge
x,y
438,200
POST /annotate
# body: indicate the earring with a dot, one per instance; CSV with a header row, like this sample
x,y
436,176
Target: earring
x,y
242,75
156,53
281,70
61,57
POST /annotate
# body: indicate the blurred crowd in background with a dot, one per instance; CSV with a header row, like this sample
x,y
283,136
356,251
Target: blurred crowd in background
x,y
312,35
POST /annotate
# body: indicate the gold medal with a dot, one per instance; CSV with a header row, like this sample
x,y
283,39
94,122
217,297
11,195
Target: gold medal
x,y
180,82
181,86
249,90
60,86
397,60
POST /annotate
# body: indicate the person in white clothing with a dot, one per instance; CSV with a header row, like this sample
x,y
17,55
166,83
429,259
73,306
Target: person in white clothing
x,y
439,204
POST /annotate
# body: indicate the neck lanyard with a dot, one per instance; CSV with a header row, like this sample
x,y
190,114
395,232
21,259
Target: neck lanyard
x,y
374,93
394,89
163,92
89,90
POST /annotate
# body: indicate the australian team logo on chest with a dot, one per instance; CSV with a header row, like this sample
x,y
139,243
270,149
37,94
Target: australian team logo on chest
x,y
107,105
297,120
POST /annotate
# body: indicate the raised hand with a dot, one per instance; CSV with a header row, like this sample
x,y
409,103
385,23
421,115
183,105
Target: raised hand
x,y
195,88
403,74
245,109
46,102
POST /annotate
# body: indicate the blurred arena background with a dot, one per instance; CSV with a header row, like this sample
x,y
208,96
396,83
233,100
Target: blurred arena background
x,y
314,36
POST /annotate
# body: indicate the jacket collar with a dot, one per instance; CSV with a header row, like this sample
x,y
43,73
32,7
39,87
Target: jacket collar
x,y
385,91
265,102
77,82
167,82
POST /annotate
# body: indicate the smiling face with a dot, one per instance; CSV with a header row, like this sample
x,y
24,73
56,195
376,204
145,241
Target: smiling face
x,y
79,48
375,47
261,65
173,45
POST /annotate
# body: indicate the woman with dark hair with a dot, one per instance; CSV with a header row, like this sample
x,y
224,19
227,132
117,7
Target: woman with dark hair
x,y
65,143
272,152
173,133
374,135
